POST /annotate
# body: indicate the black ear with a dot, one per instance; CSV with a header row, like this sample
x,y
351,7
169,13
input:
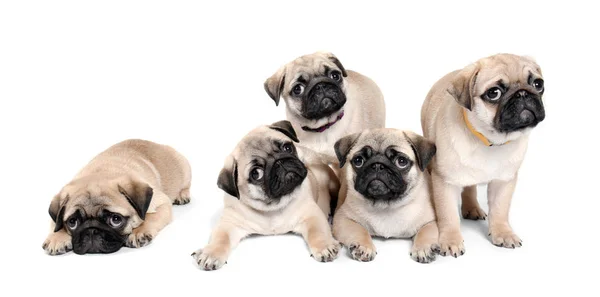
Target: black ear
x,y
462,86
343,146
286,128
337,63
274,85
139,196
57,212
423,149
228,180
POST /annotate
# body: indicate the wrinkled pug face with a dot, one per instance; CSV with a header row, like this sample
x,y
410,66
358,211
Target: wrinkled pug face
x,y
100,216
313,87
264,170
384,165
504,91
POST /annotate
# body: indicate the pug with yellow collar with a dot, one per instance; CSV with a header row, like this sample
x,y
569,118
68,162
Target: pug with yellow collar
x,y
480,118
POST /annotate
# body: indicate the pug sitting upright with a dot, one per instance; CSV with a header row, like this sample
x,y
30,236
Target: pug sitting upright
x,y
325,102
480,118
272,187
121,197
385,192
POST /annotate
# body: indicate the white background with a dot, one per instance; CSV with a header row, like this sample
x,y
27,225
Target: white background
x,y
79,76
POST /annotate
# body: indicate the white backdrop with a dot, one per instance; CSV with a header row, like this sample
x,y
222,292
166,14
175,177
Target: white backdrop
x,y
79,76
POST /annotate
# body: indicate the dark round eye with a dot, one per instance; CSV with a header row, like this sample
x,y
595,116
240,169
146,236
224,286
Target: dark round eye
x,y
72,223
288,148
257,174
538,84
115,220
298,89
401,162
493,94
335,75
358,161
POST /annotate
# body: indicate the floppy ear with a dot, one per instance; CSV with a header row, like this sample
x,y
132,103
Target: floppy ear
x,y
343,146
424,149
286,128
139,196
274,85
228,179
462,86
57,211
337,63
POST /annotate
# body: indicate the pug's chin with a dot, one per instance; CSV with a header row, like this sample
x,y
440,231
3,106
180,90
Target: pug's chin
x,y
260,202
316,124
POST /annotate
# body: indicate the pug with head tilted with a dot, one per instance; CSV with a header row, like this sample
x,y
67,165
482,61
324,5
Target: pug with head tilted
x,y
121,197
385,191
480,119
325,102
272,187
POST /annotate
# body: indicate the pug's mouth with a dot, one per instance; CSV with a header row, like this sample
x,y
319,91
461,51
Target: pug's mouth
x,y
326,126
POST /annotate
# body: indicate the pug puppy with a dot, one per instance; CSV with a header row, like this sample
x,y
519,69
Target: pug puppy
x,y
385,189
121,197
325,101
480,118
272,187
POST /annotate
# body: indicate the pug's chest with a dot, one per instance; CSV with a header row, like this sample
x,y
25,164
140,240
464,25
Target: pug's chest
x,y
403,223
483,164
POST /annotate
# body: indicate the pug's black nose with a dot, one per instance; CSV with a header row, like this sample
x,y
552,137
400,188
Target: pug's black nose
x,y
327,104
377,166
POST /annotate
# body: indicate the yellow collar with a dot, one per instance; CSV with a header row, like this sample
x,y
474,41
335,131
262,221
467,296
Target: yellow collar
x,y
476,133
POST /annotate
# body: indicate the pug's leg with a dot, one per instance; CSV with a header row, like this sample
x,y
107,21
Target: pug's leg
x,y
470,208
223,240
57,243
153,223
445,198
317,234
499,198
355,237
425,243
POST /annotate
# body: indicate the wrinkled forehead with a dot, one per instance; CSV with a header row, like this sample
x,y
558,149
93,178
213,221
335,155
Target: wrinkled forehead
x,y
261,142
305,67
507,69
380,142
93,206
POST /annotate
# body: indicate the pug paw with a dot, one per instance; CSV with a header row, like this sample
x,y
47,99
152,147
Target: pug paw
x,y
326,253
475,213
139,238
209,259
424,253
451,244
362,253
181,200
505,237
58,243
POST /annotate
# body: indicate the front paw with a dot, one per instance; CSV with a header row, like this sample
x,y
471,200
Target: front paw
x,y
209,259
58,243
327,252
424,253
140,237
451,244
362,253
505,237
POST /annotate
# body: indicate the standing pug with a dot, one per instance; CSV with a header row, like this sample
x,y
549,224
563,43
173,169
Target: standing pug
x,y
480,118
325,101
272,187
121,197
386,188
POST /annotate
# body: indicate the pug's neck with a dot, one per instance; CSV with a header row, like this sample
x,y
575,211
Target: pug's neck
x,y
485,132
